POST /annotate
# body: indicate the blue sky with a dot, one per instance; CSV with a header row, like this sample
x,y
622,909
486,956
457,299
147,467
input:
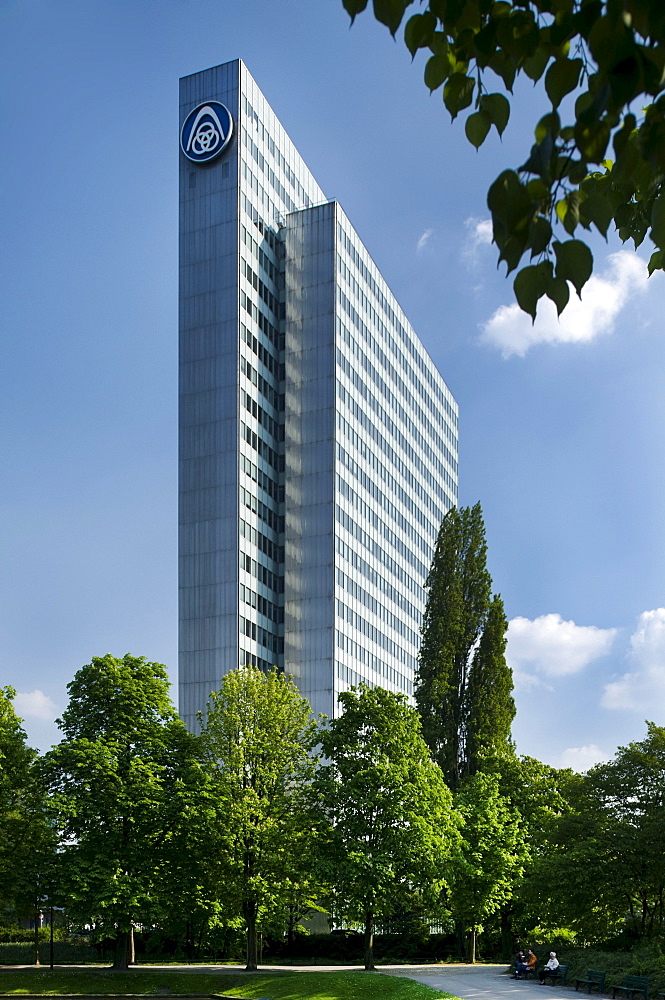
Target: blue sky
x,y
561,424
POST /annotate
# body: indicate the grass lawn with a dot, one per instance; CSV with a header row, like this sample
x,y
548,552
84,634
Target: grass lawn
x,y
271,986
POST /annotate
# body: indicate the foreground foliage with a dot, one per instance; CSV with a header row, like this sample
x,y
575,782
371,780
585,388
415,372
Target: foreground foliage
x,y
610,56
300,986
389,820
123,784
257,746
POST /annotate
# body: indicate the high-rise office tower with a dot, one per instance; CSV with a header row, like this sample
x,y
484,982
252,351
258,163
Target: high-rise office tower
x,y
318,442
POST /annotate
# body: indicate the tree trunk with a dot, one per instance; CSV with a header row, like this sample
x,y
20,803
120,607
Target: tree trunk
x,y
369,940
132,948
121,960
460,937
290,926
473,945
36,939
250,913
508,943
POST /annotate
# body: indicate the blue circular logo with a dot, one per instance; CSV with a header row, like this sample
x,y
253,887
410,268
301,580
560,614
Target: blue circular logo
x,y
206,132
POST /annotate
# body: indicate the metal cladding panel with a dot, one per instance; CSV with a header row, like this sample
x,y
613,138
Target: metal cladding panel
x,y
208,446
310,454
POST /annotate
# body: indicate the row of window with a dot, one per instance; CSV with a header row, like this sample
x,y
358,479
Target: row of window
x,y
361,385
266,545
271,269
276,153
274,489
406,340
270,517
274,305
267,453
262,574
373,547
360,594
262,353
391,399
269,424
271,211
361,655
369,516
262,605
251,660
369,484
274,398
269,208
394,457
396,516
261,635
356,560
374,634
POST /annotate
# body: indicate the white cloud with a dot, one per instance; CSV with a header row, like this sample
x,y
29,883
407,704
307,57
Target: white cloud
x,y
642,688
35,705
603,297
581,758
423,240
554,647
478,234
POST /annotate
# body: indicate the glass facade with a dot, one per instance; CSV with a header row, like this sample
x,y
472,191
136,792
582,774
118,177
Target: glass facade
x,y
318,442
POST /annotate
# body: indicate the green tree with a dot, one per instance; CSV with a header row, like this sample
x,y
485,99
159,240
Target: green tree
x,y
17,762
126,786
607,852
258,742
463,683
27,839
493,853
540,794
607,54
393,830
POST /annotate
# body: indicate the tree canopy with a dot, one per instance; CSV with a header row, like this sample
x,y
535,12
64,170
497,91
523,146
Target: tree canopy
x,y
258,742
393,830
123,782
596,160
463,685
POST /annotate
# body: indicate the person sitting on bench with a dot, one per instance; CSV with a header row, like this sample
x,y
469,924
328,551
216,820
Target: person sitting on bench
x,y
550,968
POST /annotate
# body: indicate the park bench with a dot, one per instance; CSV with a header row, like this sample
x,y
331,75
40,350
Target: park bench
x,y
594,977
523,973
558,975
632,985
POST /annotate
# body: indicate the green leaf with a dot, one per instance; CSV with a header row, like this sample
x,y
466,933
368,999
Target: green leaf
x,y
458,93
390,12
558,291
354,7
591,139
561,78
656,261
540,234
549,124
535,65
657,233
498,108
529,286
476,127
436,71
597,209
419,32
574,263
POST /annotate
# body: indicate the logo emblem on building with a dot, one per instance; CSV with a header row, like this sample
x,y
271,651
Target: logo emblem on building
x,y
206,132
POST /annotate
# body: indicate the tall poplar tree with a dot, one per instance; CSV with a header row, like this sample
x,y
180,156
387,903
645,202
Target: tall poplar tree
x,y
463,684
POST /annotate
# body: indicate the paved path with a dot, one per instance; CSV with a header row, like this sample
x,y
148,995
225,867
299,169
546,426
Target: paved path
x,y
469,982
479,982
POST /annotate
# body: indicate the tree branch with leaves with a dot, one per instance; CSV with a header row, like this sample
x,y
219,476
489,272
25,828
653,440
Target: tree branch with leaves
x,y
602,163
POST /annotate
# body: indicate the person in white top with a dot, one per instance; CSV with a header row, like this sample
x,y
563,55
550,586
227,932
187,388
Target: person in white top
x,y
549,968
